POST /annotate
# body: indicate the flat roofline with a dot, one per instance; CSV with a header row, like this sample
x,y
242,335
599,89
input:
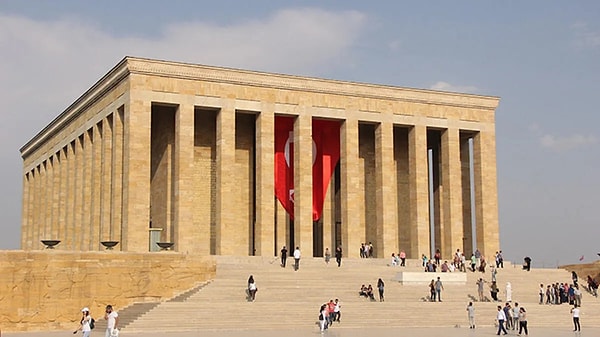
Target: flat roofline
x,y
154,67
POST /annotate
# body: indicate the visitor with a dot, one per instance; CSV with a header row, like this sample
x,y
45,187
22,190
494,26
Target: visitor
x,y
380,286
297,255
574,277
494,272
432,291
284,253
437,256
362,250
575,312
473,262
482,264
371,250
445,267
515,316
471,314
499,260
477,257
480,283
322,315
402,256
330,310
251,289
85,324
327,256
370,293
363,291
527,263
523,321
438,289
541,293
337,312
507,313
424,259
338,256
501,317
112,318
494,291
394,261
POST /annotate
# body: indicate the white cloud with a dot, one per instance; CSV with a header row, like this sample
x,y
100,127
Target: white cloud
x,y
445,86
585,37
560,144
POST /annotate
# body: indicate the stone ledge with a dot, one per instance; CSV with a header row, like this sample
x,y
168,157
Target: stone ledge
x,y
416,278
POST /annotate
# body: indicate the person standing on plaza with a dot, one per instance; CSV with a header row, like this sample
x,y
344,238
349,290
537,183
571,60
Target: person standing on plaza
x,y
515,316
112,318
338,256
337,312
501,317
251,289
327,256
297,258
438,289
471,314
575,313
523,321
402,256
432,290
85,325
541,293
380,287
284,253
480,289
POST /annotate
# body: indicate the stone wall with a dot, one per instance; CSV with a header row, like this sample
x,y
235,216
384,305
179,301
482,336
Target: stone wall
x,y
45,290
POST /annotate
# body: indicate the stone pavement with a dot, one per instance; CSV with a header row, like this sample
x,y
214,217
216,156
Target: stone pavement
x,y
333,332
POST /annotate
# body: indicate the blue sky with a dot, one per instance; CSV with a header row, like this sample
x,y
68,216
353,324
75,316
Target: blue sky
x,y
541,57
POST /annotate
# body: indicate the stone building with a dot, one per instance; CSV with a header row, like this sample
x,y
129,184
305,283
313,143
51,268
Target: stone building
x,y
161,151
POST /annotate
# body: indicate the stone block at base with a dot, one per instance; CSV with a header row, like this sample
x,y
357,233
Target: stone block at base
x,y
415,278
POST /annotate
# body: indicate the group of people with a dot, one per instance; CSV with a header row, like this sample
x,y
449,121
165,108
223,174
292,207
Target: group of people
x,y
559,293
297,254
367,291
435,290
338,256
511,318
458,262
367,250
328,313
400,259
87,323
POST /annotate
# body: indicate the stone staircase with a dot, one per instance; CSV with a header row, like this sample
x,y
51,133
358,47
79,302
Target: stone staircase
x,y
287,299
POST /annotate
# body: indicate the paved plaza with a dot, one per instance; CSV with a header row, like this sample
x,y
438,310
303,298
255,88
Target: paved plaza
x,y
333,332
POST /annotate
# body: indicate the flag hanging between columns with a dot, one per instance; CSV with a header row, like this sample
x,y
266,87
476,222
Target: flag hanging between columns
x,y
325,155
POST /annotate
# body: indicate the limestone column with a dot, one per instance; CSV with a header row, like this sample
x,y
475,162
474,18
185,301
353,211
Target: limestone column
x,y
78,205
35,231
386,191
64,192
419,193
303,221
95,216
452,193
43,201
133,168
186,234
49,198
86,209
56,175
226,232
70,200
25,210
352,230
119,227
264,227
486,191
106,185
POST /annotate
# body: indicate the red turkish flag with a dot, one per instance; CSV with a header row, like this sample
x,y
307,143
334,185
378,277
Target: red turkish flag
x,y
326,153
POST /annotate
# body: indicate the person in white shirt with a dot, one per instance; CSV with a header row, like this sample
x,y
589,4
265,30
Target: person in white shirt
x,y
501,317
471,313
112,318
297,258
84,324
575,312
